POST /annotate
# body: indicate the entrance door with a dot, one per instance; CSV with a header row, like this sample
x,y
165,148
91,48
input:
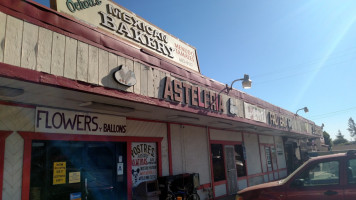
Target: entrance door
x,y
231,169
99,171
77,170
268,156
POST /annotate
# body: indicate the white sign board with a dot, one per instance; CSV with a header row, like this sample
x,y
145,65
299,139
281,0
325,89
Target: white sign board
x,y
121,22
144,162
255,113
50,120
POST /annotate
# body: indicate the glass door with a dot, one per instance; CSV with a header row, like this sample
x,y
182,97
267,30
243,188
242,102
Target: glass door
x,y
99,171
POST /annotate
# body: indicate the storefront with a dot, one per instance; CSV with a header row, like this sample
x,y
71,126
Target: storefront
x,y
92,107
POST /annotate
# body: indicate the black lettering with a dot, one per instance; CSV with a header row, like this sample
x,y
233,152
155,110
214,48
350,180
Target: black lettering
x,y
60,120
105,128
69,122
47,126
79,122
38,117
87,121
95,123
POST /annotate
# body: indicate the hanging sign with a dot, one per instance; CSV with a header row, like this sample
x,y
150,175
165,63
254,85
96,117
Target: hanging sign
x,y
124,24
144,162
59,173
63,121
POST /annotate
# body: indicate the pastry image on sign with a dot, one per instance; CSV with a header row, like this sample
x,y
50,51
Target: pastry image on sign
x,y
125,76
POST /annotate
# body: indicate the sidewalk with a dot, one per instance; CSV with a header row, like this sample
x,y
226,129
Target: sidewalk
x,y
229,197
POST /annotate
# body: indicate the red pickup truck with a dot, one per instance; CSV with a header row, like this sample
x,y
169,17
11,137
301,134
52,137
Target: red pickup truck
x,y
330,177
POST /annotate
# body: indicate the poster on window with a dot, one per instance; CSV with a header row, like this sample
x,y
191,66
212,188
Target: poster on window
x,y
144,162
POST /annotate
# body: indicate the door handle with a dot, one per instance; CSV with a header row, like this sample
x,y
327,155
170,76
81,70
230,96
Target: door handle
x,y
86,188
330,193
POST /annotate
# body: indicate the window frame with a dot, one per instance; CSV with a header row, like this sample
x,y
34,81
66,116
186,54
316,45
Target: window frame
x,y
347,175
30,136
310,166
3,136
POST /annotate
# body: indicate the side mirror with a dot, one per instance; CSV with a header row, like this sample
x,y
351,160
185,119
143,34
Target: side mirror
x,y
298,182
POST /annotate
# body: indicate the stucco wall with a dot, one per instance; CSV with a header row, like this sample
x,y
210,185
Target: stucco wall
x,y
216,134
190,151
220,190
266,139
252,153
14,119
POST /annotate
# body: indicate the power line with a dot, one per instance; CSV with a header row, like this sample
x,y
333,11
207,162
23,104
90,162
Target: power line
x,y
308,63
326,115
301,72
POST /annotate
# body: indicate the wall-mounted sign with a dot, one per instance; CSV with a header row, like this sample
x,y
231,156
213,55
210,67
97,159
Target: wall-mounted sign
x,y
120,168
183,92
59,173
111,17
63,121
125,76
254,113
76,196
279,121
74,177
144,162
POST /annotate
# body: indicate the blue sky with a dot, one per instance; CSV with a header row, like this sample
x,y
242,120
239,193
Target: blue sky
x,y
297,53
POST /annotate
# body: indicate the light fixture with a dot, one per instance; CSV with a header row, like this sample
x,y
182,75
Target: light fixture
x,y
246,83
305,110
182,117
108,107
10,92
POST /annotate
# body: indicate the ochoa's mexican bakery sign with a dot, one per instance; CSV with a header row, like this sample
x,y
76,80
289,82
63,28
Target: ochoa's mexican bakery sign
x,y
64,121
117,20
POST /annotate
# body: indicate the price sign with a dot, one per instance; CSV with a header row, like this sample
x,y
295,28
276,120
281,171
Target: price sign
x,y
59,173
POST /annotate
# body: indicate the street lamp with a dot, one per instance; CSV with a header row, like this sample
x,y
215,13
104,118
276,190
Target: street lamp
x,y
246,83
305,110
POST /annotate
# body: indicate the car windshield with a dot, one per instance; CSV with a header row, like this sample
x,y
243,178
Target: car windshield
x,y
292,174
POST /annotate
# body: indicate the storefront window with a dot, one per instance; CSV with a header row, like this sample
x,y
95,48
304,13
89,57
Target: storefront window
x,y
218,162
240,160
78,170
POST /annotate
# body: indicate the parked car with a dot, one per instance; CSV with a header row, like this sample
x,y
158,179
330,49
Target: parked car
x,y
330,177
